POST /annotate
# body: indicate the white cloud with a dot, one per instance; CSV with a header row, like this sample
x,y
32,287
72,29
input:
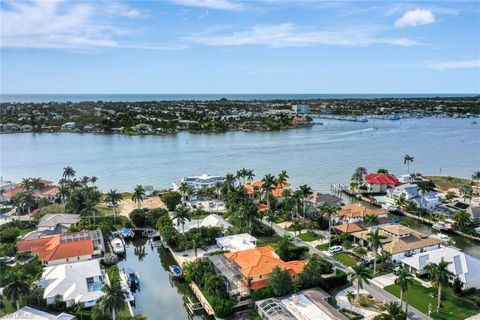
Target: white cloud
x,y
209,4
290,35
414,18
463,64
68,25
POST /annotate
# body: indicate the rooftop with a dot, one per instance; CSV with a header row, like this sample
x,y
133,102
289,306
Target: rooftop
x,y
357,210
52,220
237,242
35,314
378,178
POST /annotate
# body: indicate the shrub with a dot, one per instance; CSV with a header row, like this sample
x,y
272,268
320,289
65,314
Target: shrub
x,y
9,234
339,279
138,217
171,199
262,293
109,259
288,251
153,215
223,307
457,286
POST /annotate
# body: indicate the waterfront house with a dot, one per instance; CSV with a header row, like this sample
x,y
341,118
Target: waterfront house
x,y
300,108
35,314
320,199
58,249
348,228
430,200
356,213
69,125
6,186
255,188
400,241
249,269
212,220
203,181
57,223
379,183
236,242
462,265
78,282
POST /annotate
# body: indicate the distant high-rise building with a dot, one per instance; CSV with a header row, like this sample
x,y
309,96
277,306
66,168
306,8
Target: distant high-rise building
x,y
300,108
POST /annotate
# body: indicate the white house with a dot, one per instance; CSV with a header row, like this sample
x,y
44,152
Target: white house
x,y
429,200
200,182
237,242
69,125
73,282
212,220
5,185
35,314
465,267
57,221
300,108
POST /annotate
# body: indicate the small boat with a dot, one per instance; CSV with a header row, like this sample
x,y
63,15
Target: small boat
x,y
127,233
442,226
132,277
442,237
117,246
176,271
156,241
126,288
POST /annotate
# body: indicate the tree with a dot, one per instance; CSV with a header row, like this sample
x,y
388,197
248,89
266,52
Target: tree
x,y
305,191
401,202
350,297
375,241
282,179
113,198
424,187
271,217
26,184
250,175
280,281
327,211
311,275
407,159
462,217
16,287
63,192
371,220
382,171
476,176
93,179
78,308
171,199
466,192
457,285
360,251
361,275
182,214
268,182
68,173
138,217
297,226
393,312
403,280
358,175
138,195
440,276
37,184
185,190
114,297
216,285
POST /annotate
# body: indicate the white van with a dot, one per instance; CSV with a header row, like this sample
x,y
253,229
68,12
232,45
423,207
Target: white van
x,y
335,249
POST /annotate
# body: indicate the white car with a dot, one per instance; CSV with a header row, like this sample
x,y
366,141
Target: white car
x,y
335,249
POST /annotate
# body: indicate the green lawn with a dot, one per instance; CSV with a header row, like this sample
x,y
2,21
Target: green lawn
x,y
345,259
25,231
323,247
453,307
272,241
445,182
309,236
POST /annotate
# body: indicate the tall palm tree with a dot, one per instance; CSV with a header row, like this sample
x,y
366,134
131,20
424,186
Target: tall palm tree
x,y
476,176
401,202
37,184
382,171
268,182
361,275
407,160
358,174
375,241
466,192
182,214
184,190
424,187
440,276
68,173
230,181
114,297
305,191
113,197
26,184
403,280
63,192
370,220
282,179
16,287
85,180
250,175
327,211
93,179
393,312
138,194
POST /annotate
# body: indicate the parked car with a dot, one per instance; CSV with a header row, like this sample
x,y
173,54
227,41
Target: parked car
x,y
288,237
335,249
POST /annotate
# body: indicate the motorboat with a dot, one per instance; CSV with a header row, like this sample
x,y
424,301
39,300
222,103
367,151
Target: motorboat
x,y
127,233
118,246
176,271
442,237
442,226
132,277
156,241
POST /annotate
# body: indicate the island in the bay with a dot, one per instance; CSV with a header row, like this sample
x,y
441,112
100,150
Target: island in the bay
x,y
171,117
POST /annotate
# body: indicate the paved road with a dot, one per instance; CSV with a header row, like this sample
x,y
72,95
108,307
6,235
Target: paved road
x,y
374,290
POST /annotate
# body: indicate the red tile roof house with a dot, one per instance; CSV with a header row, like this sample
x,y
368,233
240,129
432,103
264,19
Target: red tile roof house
x,y
379,183
53,251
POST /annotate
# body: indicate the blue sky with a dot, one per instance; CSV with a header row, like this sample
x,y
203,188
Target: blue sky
x,y
228,46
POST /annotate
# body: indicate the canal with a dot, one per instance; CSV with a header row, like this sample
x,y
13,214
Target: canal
x,y
159,297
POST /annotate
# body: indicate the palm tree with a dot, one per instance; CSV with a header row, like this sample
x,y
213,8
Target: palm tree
x,y
78,308
476,176
63,192
462,218
93,179
37,184
403,280
440,276
297,227
138,194
182,214
361,275
370,220
424,187
230,181
184,190
85,180
375,241
305,191
466,192
68,173
358,174
350,297
268,182
282,179
327,211
113,197
407,160
26,184
401,201
360,251
250,175
16,287
382,171
271,217
114,297
393,312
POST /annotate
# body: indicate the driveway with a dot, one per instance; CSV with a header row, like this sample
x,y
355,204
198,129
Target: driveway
x,y
343,302
385,280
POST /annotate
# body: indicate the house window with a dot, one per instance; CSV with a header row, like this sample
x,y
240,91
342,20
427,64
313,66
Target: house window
x,y
260,277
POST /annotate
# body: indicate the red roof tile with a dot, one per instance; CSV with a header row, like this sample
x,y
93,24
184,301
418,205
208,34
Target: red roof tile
x,y
378,178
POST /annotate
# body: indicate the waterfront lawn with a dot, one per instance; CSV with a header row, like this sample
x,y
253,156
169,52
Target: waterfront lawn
x,y
309,236
445,182
323,247
453,306
346,259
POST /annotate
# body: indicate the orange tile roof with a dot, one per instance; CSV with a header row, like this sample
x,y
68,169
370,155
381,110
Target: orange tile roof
x,y
355,210
51,248
261,261
348,227
277,193
48,191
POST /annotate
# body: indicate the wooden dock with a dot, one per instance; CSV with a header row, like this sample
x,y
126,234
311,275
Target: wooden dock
x,y
201,298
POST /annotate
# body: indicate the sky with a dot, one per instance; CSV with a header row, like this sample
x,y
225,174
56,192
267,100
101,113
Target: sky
x,y
230,46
